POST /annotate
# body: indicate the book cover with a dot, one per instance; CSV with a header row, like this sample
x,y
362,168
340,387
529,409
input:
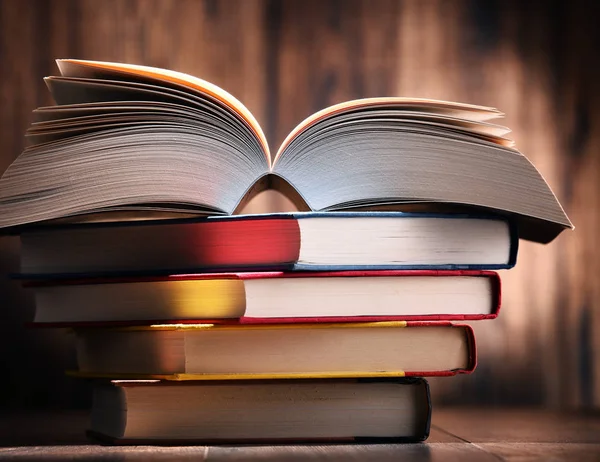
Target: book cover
x,y
247,317
467,354
269,242
412,424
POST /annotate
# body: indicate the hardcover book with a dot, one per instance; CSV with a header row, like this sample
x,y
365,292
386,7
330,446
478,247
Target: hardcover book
x,y
362,411
299,241
127,140
273,297
284,351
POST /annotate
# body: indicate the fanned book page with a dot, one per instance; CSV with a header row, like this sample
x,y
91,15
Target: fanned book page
x,y
139,140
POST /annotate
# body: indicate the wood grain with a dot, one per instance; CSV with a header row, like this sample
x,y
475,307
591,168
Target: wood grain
x,y
537,61
458,434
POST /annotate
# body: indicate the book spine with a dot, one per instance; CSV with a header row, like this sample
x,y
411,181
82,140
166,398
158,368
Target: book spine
x,y
448,267
514,244
105,439
496,296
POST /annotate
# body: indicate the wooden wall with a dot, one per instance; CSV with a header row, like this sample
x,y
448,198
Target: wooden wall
x,y
537,61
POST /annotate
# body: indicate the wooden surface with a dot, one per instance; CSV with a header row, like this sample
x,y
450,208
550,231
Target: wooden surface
x,y
535,60
457,435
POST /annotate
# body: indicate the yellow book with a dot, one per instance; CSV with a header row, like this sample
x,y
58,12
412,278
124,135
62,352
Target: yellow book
x,y
285,351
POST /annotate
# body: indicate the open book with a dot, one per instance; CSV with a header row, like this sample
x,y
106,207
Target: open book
x,y
127,138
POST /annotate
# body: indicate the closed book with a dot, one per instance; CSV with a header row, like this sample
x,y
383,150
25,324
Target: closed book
x,y
361,411
273,297
283,351
292,241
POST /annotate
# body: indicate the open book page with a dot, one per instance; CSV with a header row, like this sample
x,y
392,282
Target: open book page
x,y
179,78
134,138
468,112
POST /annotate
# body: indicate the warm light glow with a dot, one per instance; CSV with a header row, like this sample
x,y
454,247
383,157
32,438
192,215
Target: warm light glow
x,y
204,298
181,326
189,81
478,112
134,381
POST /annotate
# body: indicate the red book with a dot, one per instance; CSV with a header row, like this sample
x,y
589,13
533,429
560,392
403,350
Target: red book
x,y
274,297
294,241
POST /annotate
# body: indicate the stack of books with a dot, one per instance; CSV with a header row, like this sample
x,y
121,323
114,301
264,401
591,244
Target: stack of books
x,y
201,324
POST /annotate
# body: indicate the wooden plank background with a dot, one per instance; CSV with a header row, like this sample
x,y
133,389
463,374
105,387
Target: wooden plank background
x,y
537,61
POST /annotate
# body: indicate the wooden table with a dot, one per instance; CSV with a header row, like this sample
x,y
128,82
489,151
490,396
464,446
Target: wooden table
x,y
457,435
